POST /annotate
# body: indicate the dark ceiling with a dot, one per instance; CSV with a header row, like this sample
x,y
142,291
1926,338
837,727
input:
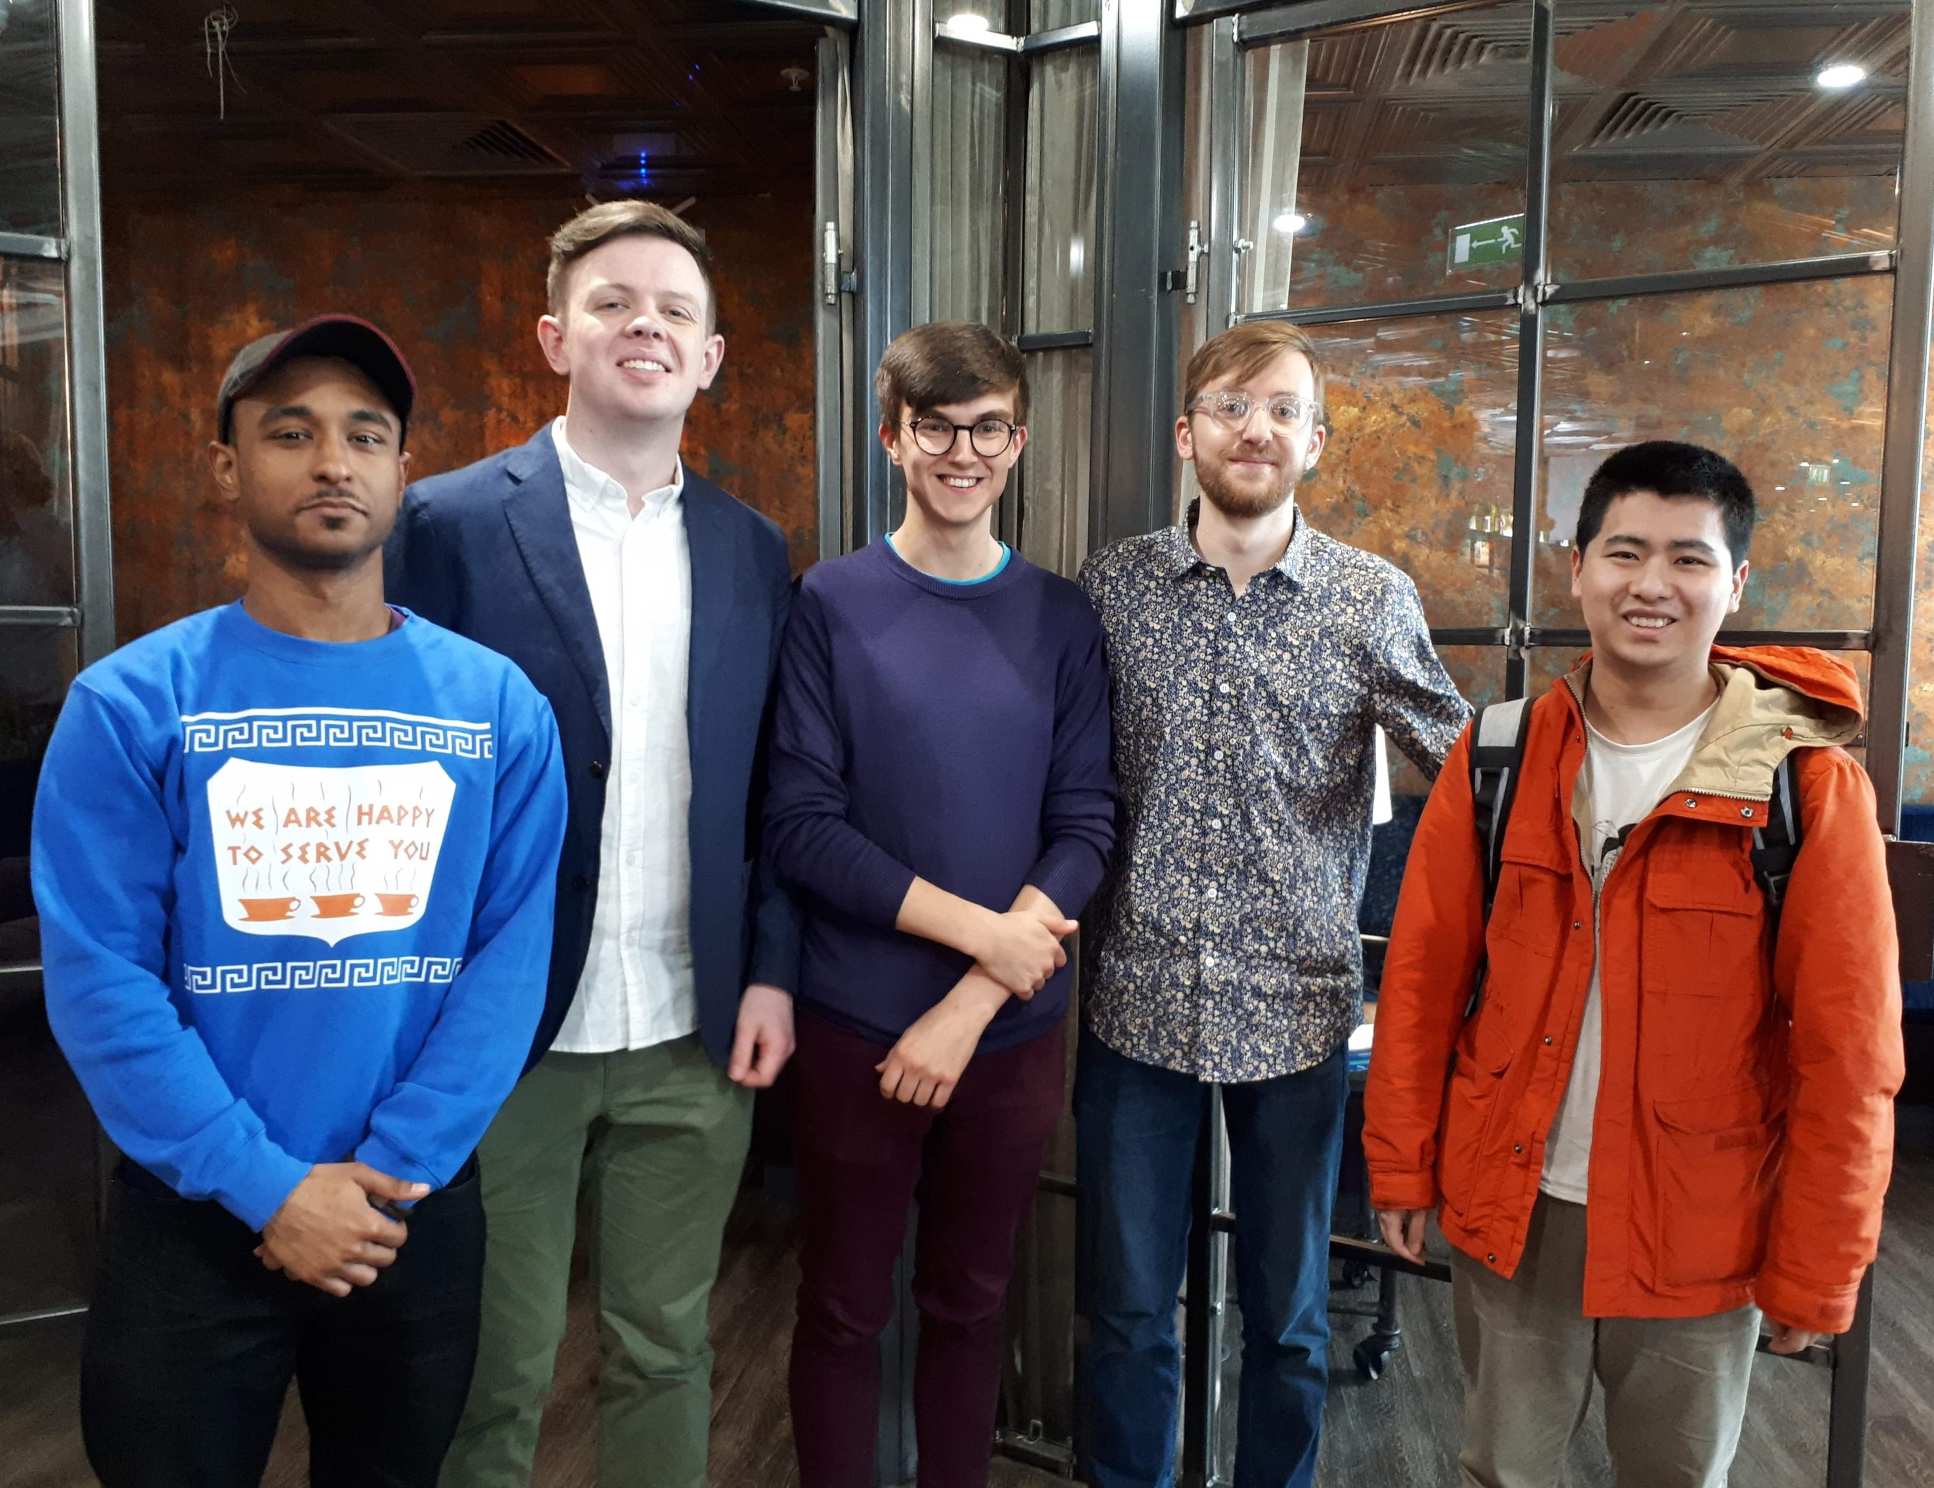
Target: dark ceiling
x,y
672,98
1713,90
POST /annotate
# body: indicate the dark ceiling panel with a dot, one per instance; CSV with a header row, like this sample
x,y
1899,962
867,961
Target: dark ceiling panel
x,y
658,97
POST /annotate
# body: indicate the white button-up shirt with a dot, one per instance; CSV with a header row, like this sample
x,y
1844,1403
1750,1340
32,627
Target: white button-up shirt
x,y
637,984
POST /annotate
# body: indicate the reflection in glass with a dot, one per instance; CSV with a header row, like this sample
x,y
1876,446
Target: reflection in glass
x,y
969,197
1046,15
29,119
1371,150
1053,470
46,1164
36,497
1422,413
1691,138
1058,257
1788,381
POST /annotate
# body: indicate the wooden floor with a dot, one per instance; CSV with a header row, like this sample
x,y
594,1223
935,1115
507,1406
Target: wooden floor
x,y
1398,1433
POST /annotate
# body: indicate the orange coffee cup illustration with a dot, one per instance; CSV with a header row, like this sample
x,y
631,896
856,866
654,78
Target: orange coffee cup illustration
x,y
270,909
335,906
397,904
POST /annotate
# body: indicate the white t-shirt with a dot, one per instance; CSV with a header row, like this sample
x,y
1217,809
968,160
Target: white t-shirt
x,y
1627,781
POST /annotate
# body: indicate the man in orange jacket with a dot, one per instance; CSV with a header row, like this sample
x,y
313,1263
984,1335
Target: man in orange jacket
x,y
1667,1112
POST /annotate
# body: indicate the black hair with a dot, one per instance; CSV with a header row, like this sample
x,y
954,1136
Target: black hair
x,y
1675,471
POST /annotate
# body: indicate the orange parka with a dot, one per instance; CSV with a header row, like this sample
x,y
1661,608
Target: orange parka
x,y
1743,1134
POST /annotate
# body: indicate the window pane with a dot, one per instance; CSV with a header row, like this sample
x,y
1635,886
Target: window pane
x,y
1375,153
1789,381
1694,137
1419,460
1060,238
36,496
1054,469
1046,15
29,119
969,204
46,1140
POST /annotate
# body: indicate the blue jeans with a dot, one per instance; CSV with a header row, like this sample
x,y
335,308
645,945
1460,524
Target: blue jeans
x,y
1136,1132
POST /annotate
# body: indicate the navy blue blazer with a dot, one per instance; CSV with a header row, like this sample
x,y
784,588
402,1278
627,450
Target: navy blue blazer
x,y
489,552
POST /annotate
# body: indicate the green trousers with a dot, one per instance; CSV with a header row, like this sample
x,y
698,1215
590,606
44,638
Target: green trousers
x,y
659,1137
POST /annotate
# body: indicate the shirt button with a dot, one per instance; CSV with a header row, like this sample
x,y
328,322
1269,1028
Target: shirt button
x,y
597,769
1547,1038
1578,924
1517,1147
1491,1256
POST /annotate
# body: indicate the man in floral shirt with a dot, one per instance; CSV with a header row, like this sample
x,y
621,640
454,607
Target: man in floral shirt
x,y
1252,659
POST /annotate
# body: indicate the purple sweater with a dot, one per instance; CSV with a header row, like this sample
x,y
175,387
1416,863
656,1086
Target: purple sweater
x,y
954,731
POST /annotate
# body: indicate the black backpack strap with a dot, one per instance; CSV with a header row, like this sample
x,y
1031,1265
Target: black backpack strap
x,y
1497,753
1776,845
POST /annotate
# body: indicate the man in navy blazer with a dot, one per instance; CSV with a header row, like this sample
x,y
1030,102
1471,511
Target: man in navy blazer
x,y
647,605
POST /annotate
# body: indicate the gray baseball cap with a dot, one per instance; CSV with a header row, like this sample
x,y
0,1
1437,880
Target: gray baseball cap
x,y
348,337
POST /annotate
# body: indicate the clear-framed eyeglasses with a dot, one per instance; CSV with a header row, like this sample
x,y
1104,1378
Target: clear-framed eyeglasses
x,y
1231,408
989,436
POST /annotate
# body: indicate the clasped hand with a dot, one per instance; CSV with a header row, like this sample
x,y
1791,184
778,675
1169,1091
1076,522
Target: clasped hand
x,y
329,1233
1015,955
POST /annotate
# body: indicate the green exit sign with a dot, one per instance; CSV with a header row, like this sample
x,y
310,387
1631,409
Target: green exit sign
x,y
1495,240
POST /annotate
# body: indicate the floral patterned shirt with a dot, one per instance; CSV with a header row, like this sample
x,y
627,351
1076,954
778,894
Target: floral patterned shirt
x,y
1223,942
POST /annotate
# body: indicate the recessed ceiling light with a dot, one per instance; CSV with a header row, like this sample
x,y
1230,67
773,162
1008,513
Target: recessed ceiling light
x,y
1290,222
968,21
1840,75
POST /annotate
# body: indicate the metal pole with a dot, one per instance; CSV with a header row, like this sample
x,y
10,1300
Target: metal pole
x,y
1847,1409
86,328
1900,465
884,189
1134,365
1524,485
833,245
1226,110
1203,1307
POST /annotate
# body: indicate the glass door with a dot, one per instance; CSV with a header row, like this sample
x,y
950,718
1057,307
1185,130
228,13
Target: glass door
x,y
56,612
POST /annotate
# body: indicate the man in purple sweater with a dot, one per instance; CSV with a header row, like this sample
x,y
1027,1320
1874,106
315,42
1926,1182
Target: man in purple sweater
x,y
941,802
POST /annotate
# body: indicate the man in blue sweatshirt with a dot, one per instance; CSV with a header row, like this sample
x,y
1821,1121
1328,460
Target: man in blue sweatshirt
x,y
293,860
941,803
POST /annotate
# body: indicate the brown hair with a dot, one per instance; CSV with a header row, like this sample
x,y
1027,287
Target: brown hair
x,y
949,361
1243,351
596,226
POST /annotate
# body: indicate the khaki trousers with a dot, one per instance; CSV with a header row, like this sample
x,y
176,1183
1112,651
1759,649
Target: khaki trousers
x,y
1675,1388
659,1136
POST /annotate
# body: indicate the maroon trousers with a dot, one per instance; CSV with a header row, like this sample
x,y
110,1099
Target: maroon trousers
x,y
862,1160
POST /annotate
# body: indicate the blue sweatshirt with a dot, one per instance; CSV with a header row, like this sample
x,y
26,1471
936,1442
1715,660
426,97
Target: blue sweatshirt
x,y
959,732
295,899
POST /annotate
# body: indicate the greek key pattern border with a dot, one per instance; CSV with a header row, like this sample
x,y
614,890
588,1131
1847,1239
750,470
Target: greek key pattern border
x,y
424,735
322,976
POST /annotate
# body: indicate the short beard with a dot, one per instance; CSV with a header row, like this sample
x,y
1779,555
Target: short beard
x,y
1225,497
293,555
